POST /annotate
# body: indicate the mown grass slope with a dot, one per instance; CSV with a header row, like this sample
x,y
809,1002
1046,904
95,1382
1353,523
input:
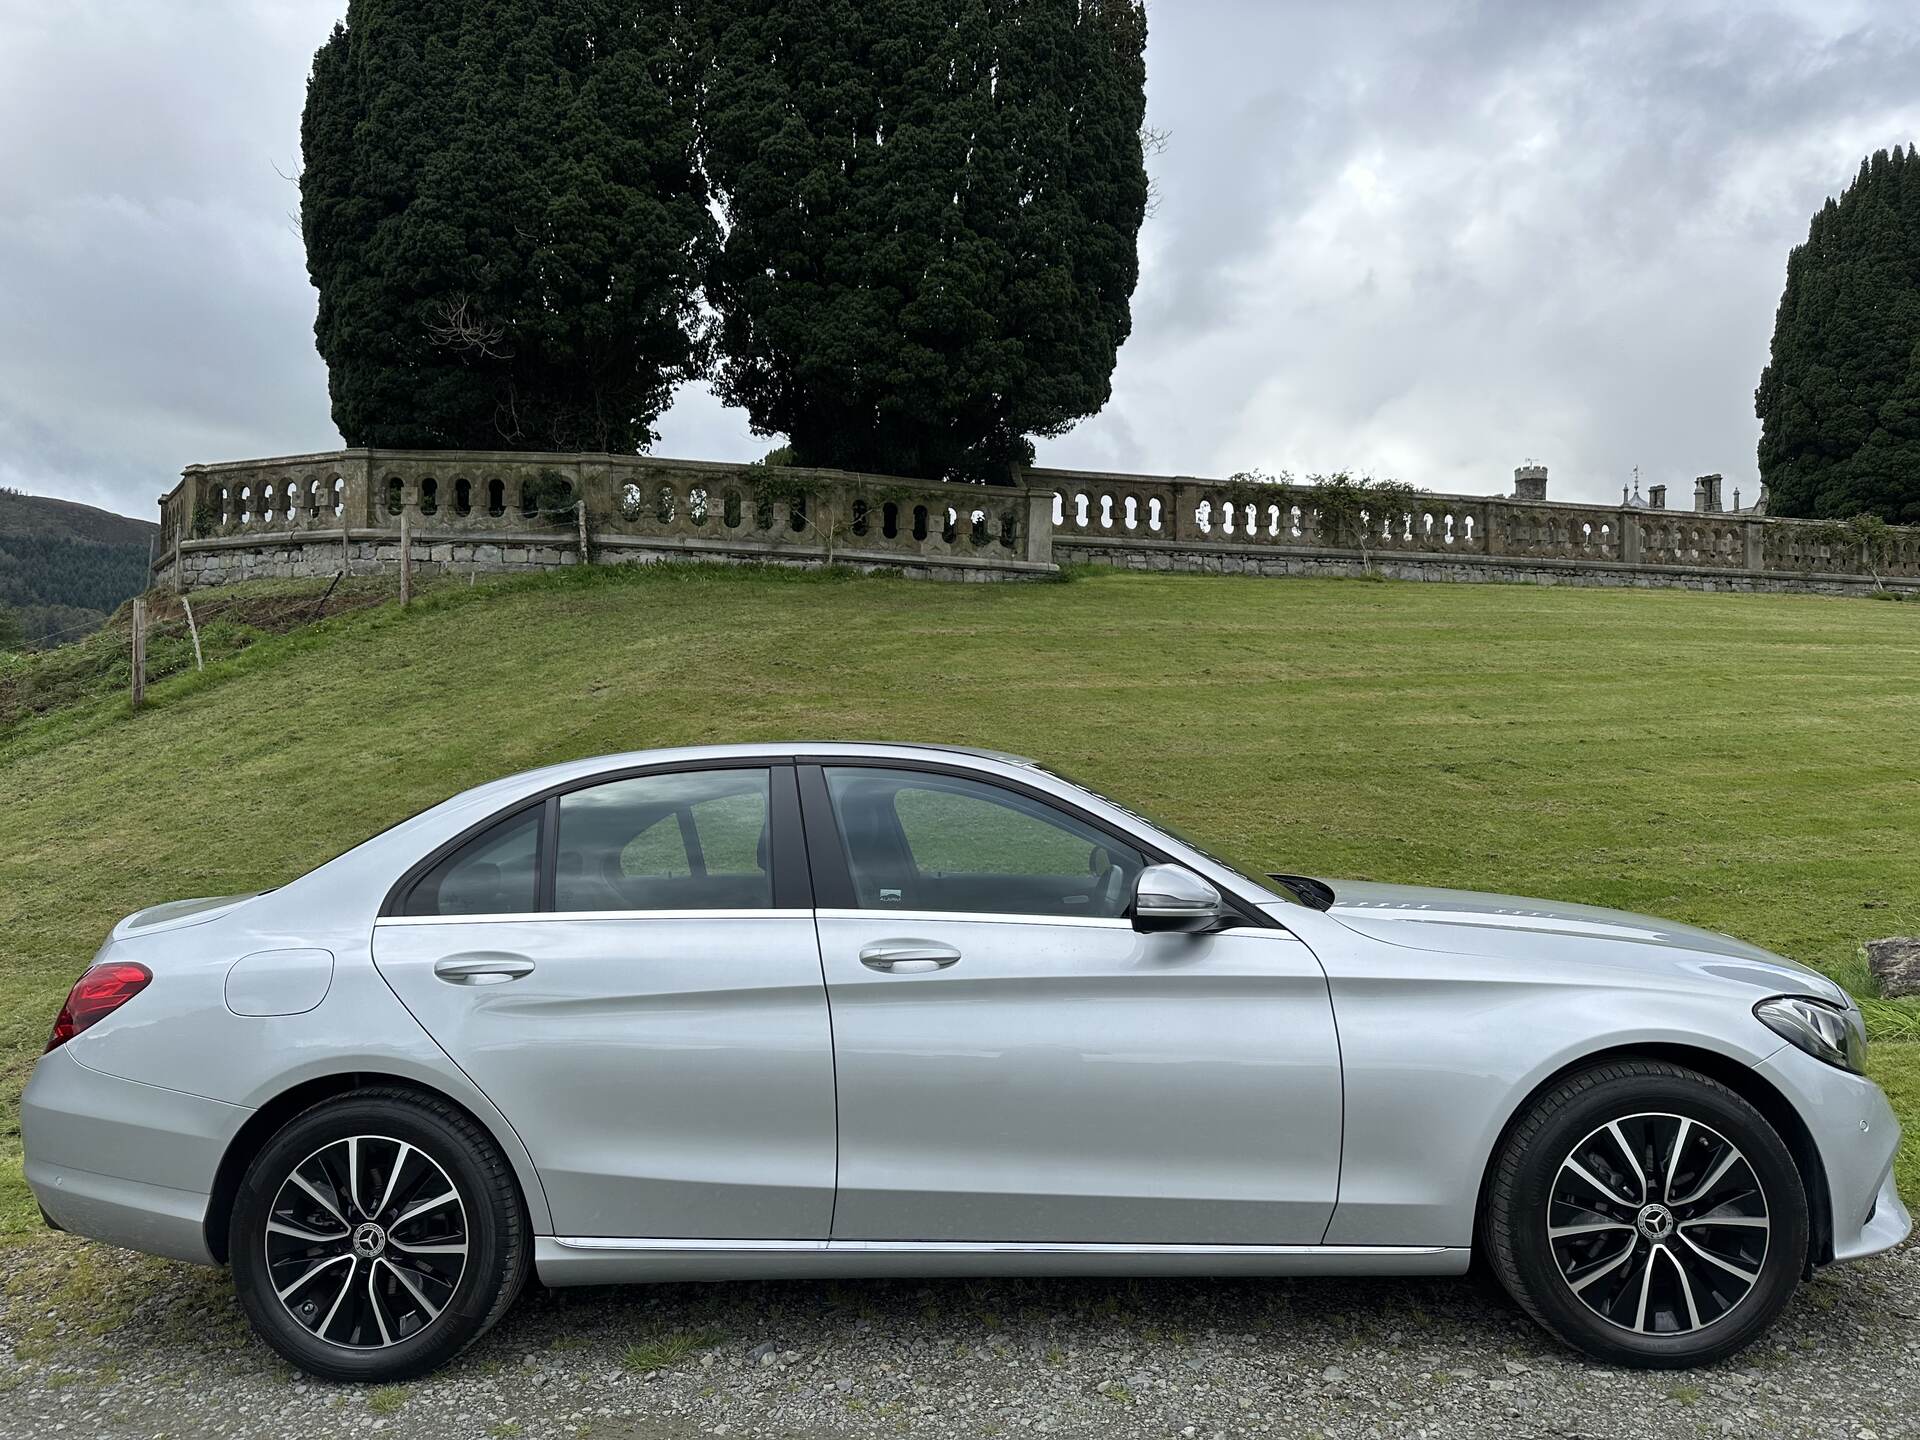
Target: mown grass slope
x,y
1751,763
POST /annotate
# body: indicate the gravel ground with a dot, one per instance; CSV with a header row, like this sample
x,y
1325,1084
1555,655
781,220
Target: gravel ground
x,y
100,1343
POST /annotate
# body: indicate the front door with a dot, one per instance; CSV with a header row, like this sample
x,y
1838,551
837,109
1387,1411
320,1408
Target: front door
x,y
1017,1065
649,1014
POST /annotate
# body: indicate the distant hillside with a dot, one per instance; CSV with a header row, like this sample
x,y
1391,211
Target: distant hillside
x,y
65,567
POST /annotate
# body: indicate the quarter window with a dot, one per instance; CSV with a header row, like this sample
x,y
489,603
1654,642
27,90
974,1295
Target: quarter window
x,y
694,841
919,841
495,873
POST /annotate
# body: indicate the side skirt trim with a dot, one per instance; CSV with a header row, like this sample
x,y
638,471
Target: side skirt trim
x,y
972,1247
598,1260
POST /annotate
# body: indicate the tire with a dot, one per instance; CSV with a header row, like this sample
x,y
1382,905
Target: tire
x,y
412,1299
1655,1260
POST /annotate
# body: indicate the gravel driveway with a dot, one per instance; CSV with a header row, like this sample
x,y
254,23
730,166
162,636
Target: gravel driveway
x,y
101,1343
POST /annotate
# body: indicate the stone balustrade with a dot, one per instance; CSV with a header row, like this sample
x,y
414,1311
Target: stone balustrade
x,y
466,511
501,511
1183,523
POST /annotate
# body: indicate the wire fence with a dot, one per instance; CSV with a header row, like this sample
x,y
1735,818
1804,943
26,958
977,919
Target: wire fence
x,y
163,635
40,643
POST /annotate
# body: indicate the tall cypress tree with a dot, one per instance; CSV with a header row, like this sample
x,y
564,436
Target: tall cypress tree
x,y
932,213
505,221
1839,401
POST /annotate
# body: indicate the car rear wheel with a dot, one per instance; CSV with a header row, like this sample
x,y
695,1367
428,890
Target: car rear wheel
x,y
376,1236
1647,1215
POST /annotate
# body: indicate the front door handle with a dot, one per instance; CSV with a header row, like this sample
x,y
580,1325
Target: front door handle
x,y
482,968
908,957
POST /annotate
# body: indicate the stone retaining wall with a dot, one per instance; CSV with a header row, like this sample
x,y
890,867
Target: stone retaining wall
x,y
320,555
1225,560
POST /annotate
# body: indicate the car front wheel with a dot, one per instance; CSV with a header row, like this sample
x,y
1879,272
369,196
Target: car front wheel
x,y
376,1236
1647,1215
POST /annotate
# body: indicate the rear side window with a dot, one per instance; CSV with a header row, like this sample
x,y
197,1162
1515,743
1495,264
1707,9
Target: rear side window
x,y
495,873
694,841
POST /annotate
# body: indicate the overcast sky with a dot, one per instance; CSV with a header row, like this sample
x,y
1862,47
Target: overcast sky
x,y
1421,239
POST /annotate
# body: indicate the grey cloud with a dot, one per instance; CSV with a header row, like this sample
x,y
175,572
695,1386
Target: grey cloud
x,y
1431,240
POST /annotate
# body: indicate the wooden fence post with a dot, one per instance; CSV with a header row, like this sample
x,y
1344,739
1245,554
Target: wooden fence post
x,y
193,630
406,559
139,653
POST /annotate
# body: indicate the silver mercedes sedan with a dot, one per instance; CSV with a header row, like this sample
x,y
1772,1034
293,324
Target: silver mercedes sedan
x,y
885,1010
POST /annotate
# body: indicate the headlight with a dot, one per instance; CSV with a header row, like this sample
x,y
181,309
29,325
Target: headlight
x,y
1822,1029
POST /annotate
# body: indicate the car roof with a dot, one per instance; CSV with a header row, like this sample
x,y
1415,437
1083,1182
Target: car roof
x,y
589,765
979,753
822,748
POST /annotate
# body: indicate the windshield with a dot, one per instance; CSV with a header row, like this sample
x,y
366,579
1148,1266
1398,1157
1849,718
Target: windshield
x,y
1252,874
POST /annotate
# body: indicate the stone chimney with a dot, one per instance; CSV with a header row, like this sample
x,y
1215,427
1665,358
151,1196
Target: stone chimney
x,y
1706,493
1530,482
1656,497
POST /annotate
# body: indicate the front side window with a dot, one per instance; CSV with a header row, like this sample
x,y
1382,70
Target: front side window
x,y
495,873
1252,873
694,841
919,841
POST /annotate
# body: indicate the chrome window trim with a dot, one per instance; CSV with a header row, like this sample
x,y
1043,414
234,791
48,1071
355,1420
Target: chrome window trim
x,y
1081,922
529,917
940,917
927,917
971,1247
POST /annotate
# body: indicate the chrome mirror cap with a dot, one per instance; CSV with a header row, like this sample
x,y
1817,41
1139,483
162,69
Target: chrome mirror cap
x,y
1172,897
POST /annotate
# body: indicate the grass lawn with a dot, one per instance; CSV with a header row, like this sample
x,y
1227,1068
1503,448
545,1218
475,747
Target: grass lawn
x,y
1750,763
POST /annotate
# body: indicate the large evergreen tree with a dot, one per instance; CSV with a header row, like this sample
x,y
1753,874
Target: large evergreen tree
x,y
1839,402
505,221
932,210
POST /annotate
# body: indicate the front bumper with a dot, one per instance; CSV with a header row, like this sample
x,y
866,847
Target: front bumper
x,y
1857,1135
123,1162
1887,1224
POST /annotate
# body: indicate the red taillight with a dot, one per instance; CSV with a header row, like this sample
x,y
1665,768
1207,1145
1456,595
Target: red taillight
x,y
96,995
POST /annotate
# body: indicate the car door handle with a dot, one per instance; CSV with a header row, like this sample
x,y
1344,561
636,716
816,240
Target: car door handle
x,y
908,957
482,968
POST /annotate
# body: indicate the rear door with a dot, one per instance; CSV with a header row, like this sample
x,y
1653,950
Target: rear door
x,y
630,972
1018,1066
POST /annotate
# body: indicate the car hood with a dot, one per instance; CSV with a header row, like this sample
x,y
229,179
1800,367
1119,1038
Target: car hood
x,y
1465,922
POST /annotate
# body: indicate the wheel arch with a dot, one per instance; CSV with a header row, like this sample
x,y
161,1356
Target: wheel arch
x,y
1745,1081
267,1121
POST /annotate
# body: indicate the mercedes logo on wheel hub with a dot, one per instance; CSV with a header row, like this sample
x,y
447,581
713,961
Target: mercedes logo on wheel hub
x,y
1655,1222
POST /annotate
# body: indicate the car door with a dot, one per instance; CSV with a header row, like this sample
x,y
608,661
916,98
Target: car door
x,y
630,972
1017,1065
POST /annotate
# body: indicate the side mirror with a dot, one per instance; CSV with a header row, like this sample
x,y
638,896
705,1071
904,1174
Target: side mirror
x,y
1173,898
